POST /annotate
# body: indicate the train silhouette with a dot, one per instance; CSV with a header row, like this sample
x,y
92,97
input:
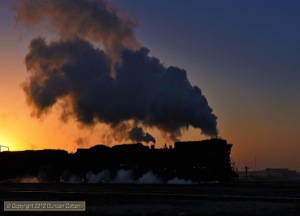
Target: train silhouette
x,y
198,161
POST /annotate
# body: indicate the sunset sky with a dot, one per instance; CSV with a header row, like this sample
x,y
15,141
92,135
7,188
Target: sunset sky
x,y
243,55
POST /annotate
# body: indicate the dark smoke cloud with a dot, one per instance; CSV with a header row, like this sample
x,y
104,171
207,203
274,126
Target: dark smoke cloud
x,y
67,68
92,87
138,134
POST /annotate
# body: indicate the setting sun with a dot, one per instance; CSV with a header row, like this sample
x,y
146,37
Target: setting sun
x,y
4,144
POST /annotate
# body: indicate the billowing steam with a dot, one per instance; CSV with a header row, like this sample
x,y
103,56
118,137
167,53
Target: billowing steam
x,y
149,178
93,20
98,73
138,134
105,176
180,181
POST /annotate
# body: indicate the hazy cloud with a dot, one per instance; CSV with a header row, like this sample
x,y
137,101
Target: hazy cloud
x,y
95,20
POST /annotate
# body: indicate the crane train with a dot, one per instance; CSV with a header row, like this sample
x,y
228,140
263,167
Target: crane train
x,y
199,161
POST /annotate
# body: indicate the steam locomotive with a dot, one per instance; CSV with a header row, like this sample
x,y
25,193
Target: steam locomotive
x,y
198,161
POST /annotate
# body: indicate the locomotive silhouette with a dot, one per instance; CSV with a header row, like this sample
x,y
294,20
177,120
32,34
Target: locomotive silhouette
x,y
199,161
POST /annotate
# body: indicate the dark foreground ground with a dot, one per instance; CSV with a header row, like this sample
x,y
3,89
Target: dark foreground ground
x,y
129,199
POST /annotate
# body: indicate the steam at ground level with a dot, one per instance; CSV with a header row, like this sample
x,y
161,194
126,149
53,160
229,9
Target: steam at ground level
x,y
121,176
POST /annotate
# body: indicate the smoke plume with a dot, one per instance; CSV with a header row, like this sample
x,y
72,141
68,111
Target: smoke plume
x,y
81,141
97,66
94,20
138,134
